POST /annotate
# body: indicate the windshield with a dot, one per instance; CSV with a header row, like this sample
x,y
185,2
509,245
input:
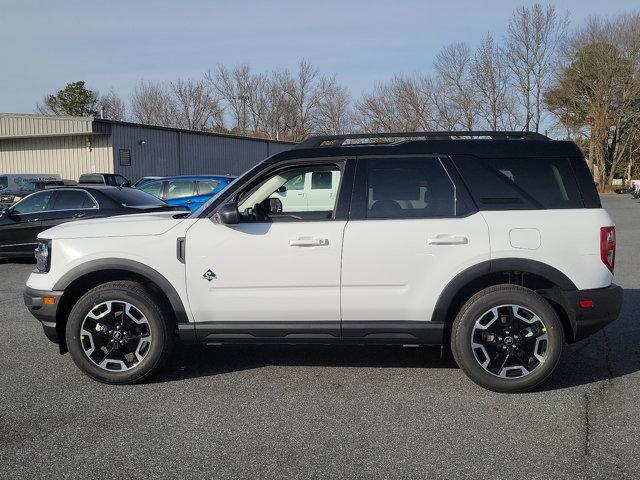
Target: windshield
x,y
131,197
196,213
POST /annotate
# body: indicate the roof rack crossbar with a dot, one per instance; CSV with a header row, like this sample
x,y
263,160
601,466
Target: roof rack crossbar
x,y
339,140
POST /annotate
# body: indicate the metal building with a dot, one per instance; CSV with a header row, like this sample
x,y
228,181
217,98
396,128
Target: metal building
x,y
71,146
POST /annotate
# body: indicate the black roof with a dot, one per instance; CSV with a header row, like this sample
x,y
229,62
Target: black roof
x,y
478,144
383,137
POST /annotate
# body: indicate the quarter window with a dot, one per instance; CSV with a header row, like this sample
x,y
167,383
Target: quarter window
x,y
408,188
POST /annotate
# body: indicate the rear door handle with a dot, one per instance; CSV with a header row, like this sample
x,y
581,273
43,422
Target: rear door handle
x,y
31,220
309,242
447,239
78,215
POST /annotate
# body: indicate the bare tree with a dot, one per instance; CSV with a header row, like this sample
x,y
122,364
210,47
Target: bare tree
x,y
333,111
453,66
491,83
111,106
404,103
153,103
303,90
196,108
233,88
533,37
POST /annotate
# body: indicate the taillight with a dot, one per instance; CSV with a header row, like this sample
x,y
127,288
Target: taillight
x,y
608,246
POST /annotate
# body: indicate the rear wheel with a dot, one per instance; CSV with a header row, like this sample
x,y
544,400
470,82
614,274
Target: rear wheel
x,y
118,333
507,338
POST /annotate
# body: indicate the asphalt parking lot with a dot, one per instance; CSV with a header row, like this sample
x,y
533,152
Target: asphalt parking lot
x,y
322,412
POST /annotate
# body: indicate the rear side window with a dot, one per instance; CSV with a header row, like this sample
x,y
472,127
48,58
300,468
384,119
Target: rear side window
x,y
408,188
91,179
72,200
321,180
179,189
520,183
205,187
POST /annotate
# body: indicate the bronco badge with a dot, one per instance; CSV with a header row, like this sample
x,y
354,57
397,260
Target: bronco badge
x,y
209,275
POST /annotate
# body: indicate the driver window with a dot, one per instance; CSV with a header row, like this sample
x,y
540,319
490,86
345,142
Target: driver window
x,y
285,196
34,203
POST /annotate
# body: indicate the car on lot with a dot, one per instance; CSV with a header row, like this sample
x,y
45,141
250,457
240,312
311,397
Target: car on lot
x,y
190,191
21,223
8,196
493,242
112,179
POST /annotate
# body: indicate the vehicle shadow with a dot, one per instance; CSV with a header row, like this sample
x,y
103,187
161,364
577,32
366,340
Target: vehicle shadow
x,y
609,354
192,361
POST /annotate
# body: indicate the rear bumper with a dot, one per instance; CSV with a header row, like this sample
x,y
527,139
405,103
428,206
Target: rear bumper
x,y
586,320
45,313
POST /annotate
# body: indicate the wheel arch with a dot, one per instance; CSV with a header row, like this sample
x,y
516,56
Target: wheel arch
x,y
521,271
79,280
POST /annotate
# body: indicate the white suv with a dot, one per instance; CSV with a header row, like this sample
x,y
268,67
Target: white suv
x,y
493,241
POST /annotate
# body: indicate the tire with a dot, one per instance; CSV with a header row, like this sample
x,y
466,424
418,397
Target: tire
x,y
497,324
145,328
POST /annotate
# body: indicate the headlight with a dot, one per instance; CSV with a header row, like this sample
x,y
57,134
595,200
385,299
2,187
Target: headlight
x,y
43,256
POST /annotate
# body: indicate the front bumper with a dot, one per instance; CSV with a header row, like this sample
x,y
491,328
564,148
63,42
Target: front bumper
x,y
604,308
46,313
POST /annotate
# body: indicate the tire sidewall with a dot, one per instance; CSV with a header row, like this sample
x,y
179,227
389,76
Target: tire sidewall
x,y
480,304
143,303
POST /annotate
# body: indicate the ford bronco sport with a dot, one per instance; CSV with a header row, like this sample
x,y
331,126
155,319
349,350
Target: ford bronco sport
x,y
494,242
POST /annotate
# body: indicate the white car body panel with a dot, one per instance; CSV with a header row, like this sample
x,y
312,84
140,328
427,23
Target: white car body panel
x,y
260,275
391,271
569,241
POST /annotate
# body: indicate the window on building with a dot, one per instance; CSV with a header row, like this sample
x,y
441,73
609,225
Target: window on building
x,y
125,157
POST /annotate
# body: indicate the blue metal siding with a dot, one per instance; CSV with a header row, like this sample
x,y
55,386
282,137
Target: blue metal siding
x,y
168,152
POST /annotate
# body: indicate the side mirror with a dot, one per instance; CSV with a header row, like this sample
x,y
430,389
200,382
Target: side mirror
x,y
229,214
6,211
282,189
126,183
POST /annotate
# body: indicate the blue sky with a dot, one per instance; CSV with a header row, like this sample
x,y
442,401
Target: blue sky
x,y
45,44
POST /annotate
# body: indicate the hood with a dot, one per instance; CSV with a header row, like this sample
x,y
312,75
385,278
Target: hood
x,y
143,224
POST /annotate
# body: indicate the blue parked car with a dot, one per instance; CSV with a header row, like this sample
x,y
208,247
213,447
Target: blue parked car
x,y
188,190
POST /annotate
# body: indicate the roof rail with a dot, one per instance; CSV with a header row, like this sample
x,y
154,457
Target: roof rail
x,y
339,140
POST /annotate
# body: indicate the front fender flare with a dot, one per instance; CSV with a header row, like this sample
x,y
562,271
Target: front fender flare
x,y
127,266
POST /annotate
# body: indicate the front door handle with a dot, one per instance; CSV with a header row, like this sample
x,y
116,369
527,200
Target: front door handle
x,y
447,239
78,215
31,220
309,242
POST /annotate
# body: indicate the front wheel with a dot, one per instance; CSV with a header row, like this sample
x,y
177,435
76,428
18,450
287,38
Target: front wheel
x,y
119,333
507,338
